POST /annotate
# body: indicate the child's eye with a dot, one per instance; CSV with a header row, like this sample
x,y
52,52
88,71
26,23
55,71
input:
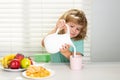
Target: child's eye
x,y
78,29
71,26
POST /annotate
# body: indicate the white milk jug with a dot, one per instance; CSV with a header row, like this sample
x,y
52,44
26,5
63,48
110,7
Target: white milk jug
x,y
54,42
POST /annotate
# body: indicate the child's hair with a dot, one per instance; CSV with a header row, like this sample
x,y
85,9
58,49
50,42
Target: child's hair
x,y
78,17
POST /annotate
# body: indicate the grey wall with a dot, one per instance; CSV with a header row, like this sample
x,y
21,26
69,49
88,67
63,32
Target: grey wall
x,y
105,30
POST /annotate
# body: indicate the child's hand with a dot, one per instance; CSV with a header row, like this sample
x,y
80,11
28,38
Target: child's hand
x,y
65,48
61,24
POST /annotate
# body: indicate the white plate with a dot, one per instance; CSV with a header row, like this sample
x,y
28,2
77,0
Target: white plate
x,y
1,67
51,74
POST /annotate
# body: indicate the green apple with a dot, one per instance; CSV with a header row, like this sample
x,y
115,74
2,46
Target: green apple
x,y
25,63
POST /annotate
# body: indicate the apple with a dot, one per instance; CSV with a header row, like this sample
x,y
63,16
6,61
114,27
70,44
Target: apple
x,y
14,64
19,56
25,63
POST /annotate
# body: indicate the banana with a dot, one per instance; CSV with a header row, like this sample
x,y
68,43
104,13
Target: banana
x,y
0,60
6,60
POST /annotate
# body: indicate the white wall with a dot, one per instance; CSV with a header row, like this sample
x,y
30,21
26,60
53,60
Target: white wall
x,y
105,30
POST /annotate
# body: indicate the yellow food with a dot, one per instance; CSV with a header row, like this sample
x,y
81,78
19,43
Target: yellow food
x,y
37,71
6,60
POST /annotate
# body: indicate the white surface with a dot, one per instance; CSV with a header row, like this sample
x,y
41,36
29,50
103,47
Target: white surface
x,y
90,71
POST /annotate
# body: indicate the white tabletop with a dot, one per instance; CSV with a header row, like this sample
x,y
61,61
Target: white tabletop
x,y
90,71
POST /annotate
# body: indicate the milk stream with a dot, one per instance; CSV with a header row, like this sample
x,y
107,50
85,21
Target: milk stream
x,y
74,54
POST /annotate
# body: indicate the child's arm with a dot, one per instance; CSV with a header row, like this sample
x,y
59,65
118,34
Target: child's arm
x,y
69,53
66,52
60,24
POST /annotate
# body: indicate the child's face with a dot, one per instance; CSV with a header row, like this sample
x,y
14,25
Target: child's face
x,y
74,29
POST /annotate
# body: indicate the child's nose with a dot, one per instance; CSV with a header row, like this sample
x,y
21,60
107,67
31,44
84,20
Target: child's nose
x,y
74,29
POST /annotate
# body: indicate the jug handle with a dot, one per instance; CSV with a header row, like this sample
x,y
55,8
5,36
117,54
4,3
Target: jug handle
x,y
68,30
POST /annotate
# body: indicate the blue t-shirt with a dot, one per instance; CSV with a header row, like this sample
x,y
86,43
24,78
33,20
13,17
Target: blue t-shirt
x,y
58,57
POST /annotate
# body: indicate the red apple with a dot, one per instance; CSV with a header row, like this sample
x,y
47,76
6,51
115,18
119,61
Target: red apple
x,y
19,56
14,64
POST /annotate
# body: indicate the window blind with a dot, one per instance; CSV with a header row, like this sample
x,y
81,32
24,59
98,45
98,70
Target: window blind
x,y
11,26
23,23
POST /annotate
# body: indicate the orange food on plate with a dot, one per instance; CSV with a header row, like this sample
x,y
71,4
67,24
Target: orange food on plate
x,y
37,71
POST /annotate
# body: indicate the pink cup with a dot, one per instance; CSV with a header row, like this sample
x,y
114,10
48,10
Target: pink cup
x,y
76,62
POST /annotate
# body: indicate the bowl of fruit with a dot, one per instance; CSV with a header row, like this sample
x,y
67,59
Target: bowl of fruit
x,y
15,62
